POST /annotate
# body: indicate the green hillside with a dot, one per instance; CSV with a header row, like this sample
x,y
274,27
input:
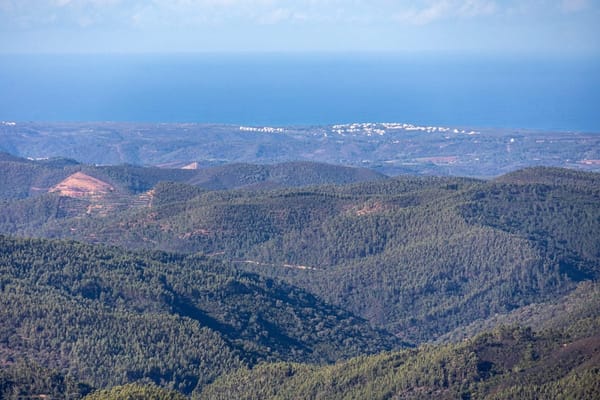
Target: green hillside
x,y
290,174
109,317
251,293
135,392
508,363
21,178
418,256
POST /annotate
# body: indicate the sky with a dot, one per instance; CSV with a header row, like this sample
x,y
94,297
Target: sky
x,y
135,26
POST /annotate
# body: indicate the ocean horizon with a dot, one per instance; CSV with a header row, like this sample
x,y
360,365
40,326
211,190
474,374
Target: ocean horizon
x,y
526,92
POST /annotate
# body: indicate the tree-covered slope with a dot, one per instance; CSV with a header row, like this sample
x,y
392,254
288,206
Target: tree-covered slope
x,y
25,379
450,257
560,362
135,392
559,313
290,174
557,210
426,258
21,178
507,363
109,317
419,256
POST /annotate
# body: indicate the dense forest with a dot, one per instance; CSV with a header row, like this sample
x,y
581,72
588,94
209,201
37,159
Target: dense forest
x,y
506,363
111,317
417,256
248,281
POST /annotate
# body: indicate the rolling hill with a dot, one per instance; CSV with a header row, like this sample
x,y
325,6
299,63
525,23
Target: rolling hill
x,y
418,256
23,178
110,317
507,363
248,292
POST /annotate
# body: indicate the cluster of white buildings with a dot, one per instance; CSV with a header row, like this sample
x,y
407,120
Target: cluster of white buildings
x,y
371,128
264,129
368,129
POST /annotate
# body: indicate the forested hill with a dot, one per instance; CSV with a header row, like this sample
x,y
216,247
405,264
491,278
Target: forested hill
x,y
510,362
298,275
21,178
289,174
506,363
109,317
418,256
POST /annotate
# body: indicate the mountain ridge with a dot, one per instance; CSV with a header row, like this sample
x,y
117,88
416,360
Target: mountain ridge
x,y
21,175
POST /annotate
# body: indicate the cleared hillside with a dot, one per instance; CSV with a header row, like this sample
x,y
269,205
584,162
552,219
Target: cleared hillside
x,y
22,178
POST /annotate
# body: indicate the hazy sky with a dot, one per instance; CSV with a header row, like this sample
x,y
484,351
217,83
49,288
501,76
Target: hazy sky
x,y
491,26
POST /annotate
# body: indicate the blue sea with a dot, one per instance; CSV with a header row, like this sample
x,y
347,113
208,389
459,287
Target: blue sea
x,y
305,89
